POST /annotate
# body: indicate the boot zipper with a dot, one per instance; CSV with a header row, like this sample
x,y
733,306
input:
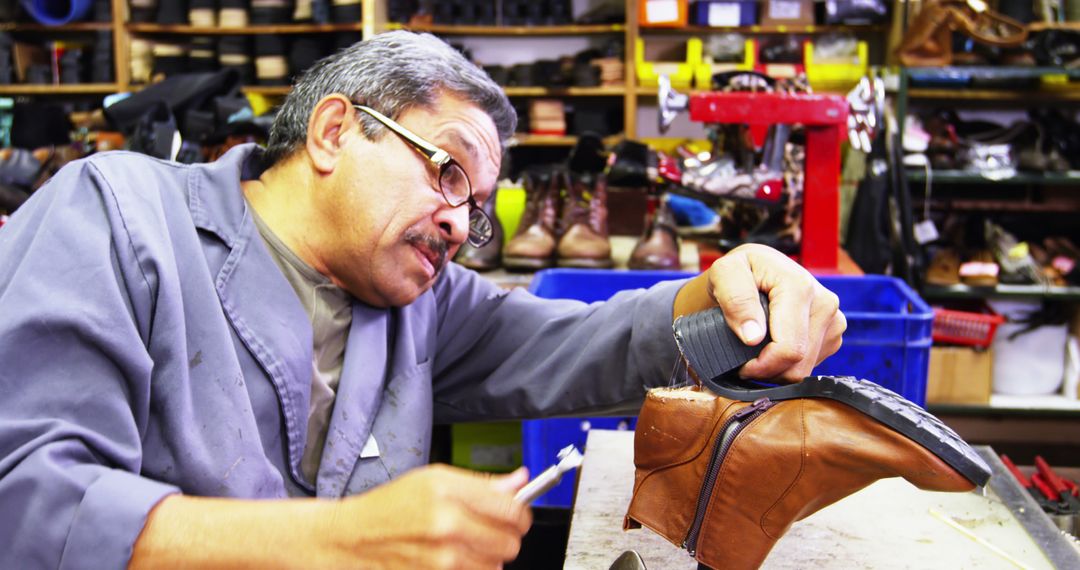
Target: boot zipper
x,y
730,430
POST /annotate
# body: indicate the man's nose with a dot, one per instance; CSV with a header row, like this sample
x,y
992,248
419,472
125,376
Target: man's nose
x,y
453,223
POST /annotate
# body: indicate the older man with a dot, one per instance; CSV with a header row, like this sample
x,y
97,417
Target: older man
x,y
197,357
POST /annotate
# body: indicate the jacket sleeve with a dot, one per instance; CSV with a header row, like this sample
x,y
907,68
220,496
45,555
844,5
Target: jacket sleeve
x,y
74,380
512,355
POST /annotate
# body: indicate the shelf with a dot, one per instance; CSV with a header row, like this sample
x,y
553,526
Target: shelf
x,y
764,29
1000,404
966,94
67,89
1070,293
966,177
571,30
1040,26
1004,206
525,139
76,27
267,89
609,91
142,28
960,72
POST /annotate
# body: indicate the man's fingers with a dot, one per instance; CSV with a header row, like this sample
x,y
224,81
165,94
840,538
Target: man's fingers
x,y
735,290
511,482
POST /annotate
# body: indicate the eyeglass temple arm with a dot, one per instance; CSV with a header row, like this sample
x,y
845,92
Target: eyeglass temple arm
x,y
434,153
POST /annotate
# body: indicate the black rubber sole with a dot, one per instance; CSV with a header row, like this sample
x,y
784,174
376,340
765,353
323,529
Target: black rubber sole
x,y
715,354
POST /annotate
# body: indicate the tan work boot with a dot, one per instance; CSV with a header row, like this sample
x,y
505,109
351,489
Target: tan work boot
x,y
584,241
533,244
725,479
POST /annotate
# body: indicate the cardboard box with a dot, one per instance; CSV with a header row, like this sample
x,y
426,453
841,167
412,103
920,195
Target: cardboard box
x,y
788,13
959,375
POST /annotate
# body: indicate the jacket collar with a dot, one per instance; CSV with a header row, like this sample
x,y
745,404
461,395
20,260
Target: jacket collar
x,y
215,199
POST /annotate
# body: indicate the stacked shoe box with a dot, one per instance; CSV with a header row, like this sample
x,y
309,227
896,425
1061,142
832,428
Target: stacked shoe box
x,y
547,117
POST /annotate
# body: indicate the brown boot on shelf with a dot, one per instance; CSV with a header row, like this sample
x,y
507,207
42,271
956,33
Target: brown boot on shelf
x,y
584,242
659,246
726,479
533,245
944,268
488,257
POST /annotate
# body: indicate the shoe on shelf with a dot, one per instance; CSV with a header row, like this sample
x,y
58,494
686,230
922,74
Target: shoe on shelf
x,y
488,257
584,232
533,245
944,268
658,247
980,271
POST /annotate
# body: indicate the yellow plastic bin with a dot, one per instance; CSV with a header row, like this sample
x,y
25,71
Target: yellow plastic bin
x,y
704,72
680,73
835,76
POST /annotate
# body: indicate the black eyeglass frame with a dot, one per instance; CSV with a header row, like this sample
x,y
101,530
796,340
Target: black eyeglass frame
x,y
480,225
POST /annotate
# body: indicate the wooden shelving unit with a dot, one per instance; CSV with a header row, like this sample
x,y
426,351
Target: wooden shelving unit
x,y
766,30
571,30
159,29
64,89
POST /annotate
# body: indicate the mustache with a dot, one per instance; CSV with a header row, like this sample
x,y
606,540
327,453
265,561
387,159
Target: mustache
x,y
431,243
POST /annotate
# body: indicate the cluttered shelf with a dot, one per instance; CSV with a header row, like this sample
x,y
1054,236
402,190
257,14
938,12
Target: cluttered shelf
x,y
568,30
1002,404
1067,293
75,27
65,89
764,30
966,94
974,177
144,28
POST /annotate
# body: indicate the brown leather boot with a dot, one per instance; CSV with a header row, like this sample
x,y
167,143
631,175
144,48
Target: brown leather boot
x,y
488,257
584,241
533,244
725,479
928,41
658,248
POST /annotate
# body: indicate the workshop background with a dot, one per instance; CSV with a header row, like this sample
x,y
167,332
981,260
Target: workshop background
x,y
926,170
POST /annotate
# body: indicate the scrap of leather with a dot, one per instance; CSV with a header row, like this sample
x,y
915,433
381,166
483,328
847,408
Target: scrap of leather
x,y
792,460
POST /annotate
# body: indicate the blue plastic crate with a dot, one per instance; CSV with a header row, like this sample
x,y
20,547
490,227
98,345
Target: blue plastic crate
x,y
888,341
725,13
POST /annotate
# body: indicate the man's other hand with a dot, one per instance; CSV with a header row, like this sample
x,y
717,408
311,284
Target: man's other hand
x,y
438,517
805,321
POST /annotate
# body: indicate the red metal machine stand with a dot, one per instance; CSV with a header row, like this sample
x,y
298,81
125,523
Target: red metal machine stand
x,y
825,120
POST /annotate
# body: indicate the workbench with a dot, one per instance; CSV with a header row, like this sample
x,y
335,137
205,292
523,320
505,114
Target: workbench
x,y
886,525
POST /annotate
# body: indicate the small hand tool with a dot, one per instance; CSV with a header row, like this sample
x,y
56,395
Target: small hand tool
x,y
569,458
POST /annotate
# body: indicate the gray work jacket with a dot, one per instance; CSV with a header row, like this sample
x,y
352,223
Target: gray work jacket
x,y
149,346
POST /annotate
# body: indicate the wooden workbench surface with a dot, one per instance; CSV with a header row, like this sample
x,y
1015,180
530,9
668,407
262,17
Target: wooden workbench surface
x,y
887,525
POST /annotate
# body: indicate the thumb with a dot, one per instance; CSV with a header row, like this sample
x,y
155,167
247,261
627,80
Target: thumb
x,y
511,482
738,296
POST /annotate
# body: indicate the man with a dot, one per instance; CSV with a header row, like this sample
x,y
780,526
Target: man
x,y
192,353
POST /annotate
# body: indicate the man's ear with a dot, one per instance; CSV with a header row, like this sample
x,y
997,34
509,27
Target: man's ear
x,y
326,132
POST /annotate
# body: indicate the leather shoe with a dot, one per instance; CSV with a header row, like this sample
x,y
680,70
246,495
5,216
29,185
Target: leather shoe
x,y
488,257
726,479
533,244
584,241
658,248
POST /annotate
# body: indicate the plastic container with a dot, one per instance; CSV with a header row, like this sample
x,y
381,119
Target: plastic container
x,y
888,341
725,13
705,70
832,75
681,73
964,327
58,12
662,13
541,441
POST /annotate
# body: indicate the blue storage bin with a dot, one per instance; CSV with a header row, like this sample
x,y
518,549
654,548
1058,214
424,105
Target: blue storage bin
x,y
725,13
541,441
887,341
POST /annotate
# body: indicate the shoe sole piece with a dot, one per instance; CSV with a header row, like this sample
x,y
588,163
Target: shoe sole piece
x,y
527,263
715,354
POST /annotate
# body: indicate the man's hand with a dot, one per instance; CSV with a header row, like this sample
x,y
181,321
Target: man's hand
x,y
432,517
805,321
439,517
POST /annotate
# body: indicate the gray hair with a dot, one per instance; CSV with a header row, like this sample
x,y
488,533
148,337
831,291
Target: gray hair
x,y
392,73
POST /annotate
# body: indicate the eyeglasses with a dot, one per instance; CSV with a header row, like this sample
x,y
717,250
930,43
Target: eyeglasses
x,y
453,182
